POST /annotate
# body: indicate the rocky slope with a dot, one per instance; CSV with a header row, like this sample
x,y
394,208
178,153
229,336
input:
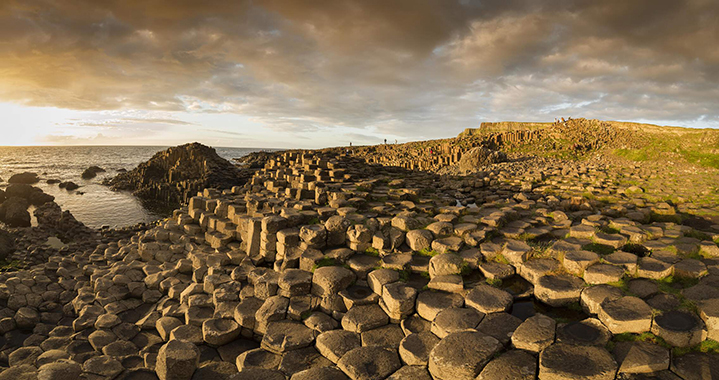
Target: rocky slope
x,y
174,175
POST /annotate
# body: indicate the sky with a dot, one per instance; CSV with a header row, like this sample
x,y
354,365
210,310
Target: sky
x,y
306,74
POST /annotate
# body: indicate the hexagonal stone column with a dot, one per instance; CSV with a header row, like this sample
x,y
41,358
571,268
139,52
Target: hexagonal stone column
x,y
562,361
626,315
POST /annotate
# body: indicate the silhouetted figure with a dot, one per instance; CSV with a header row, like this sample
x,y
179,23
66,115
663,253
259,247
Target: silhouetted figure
x,y
350,144
385,141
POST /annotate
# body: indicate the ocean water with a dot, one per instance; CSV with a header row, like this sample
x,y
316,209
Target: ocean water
x,y
93,204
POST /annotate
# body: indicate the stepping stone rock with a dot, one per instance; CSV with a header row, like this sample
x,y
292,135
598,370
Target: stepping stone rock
x,y
299,360
626,315
649,267
642,288
220,331
413,372
398,300
534,269
455,319
679,328
363,318
334,344
415,324
414,349
603,273
562,361
575,262
388,336
369,363
488,299
378,278
516,252
418,240
283,336
324,373
709,313
215,371
558,290
462,355
641,357
623,259
105,366
500,326
535,333
330,280
512,365
690,268
445,264
177,360
590,332
61,370
258,374
257,359
696,366
431,303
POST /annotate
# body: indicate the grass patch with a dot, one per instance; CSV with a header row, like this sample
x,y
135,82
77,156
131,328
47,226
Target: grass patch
x,y
598,248
697,235
497,283
501,259
643,337
425,274
674,285
708,346
314,221
403,275
622,284
428,252
372,251
324,262
608,230
9,266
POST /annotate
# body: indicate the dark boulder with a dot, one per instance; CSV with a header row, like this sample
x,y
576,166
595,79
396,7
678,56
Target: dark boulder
x,y
52,181
91,172
13,212
7,244
174,175
69,185
27,178
2,196
32,194
51,216
122,170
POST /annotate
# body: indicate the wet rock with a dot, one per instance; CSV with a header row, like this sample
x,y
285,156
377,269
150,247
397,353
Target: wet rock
x,y
13,212
558,290
91,172
26,178
69,185
588,331
488,299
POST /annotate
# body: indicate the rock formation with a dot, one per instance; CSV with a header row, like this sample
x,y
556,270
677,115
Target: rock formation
x,y
27,178
91,172
478,157
173,175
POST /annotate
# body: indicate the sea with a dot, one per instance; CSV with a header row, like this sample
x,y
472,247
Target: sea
x,y
93,203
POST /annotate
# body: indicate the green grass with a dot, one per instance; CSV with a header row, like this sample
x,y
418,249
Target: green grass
x,y
8,266
403,275
598,248
494,282
324,262
501,259
425,275
622,284
643,337
372,251
697,235
314,221
428,252
708,346
608,230
674,285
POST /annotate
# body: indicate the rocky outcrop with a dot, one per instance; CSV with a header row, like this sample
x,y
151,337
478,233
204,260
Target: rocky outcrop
x,y
91,172
69,185
174,175
478,157
13,212
27,177
34,195
7,244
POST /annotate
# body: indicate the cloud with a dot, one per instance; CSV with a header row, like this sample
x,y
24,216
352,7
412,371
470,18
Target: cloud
x,y
406,68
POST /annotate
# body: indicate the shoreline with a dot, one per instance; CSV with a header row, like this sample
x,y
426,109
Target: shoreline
x,y
439,258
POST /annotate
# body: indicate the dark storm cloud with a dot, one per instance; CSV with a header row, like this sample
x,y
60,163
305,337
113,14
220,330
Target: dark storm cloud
x,y
408,67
